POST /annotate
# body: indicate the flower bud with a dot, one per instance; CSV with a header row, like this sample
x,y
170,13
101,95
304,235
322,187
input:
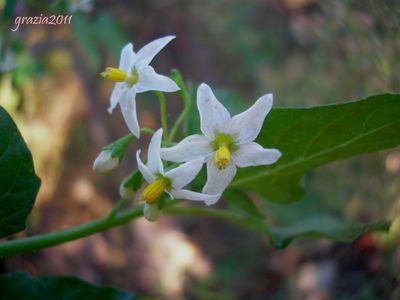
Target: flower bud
x,y
111,155
131,185
151,212
104,163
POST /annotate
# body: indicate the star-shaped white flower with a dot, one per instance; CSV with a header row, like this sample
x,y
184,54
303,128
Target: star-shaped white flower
x,y
171,181
227,142
134,75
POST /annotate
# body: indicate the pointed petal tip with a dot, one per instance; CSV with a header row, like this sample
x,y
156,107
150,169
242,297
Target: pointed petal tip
x,y
159,131
204,86
214,200
268,99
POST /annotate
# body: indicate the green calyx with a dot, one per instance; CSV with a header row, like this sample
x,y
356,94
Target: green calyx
x,y
118,148
165,180
133,78
223,139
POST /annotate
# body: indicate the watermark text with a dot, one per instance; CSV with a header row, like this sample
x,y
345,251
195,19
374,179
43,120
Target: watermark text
x,y
42,20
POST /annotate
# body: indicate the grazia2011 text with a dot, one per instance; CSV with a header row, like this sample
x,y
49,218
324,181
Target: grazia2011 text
x,y
41,20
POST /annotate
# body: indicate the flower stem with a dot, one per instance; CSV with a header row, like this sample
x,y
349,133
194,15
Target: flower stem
x,y
59,237
117,207
255,224
47,240
163,113
186,100
146,130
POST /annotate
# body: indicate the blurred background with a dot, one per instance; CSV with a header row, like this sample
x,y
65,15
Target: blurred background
x,y
307,52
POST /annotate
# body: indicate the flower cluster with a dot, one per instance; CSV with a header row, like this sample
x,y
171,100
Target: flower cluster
x,y
225,144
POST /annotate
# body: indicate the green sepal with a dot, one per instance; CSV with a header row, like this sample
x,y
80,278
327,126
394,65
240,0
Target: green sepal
x,y
131,184
118,148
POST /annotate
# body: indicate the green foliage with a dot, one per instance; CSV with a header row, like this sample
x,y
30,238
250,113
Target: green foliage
x,y
100,32
21,286
322,226
310,137
19,183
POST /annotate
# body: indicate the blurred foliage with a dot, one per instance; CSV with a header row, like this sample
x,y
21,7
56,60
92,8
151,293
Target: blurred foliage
x,y
21,286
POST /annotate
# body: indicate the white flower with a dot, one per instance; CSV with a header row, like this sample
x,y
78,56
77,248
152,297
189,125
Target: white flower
x,y
171,181
104,163
227,141
134,75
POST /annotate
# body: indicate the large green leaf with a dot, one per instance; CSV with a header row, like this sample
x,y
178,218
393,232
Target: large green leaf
x,y
21,286
310,137
18,181
283,223
322,226
312,217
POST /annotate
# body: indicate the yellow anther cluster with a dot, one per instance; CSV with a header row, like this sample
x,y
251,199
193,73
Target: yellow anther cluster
x,y
222,157
154,190
114,74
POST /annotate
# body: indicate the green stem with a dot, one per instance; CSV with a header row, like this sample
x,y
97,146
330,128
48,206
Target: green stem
x,y
186,100
117,207
46,240
163,113
55,238
146,131
255,224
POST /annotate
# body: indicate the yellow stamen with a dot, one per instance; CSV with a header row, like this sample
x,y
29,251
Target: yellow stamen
x,y
222,157
154,190
114,74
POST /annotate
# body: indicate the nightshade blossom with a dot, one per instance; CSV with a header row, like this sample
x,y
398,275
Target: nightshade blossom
x,y
227,142
134,75
171,181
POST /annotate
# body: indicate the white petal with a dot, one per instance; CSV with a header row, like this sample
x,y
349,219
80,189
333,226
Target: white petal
x,y
128,108
146,172
145,55
253,154
153,154
185,173
116,95
192,147
213,115
246,126
190,195
127,57
149,80
218,180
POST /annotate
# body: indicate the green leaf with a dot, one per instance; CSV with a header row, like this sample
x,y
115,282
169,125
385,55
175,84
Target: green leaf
x,y
240,201
322,226
19,183
21,286
310,137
